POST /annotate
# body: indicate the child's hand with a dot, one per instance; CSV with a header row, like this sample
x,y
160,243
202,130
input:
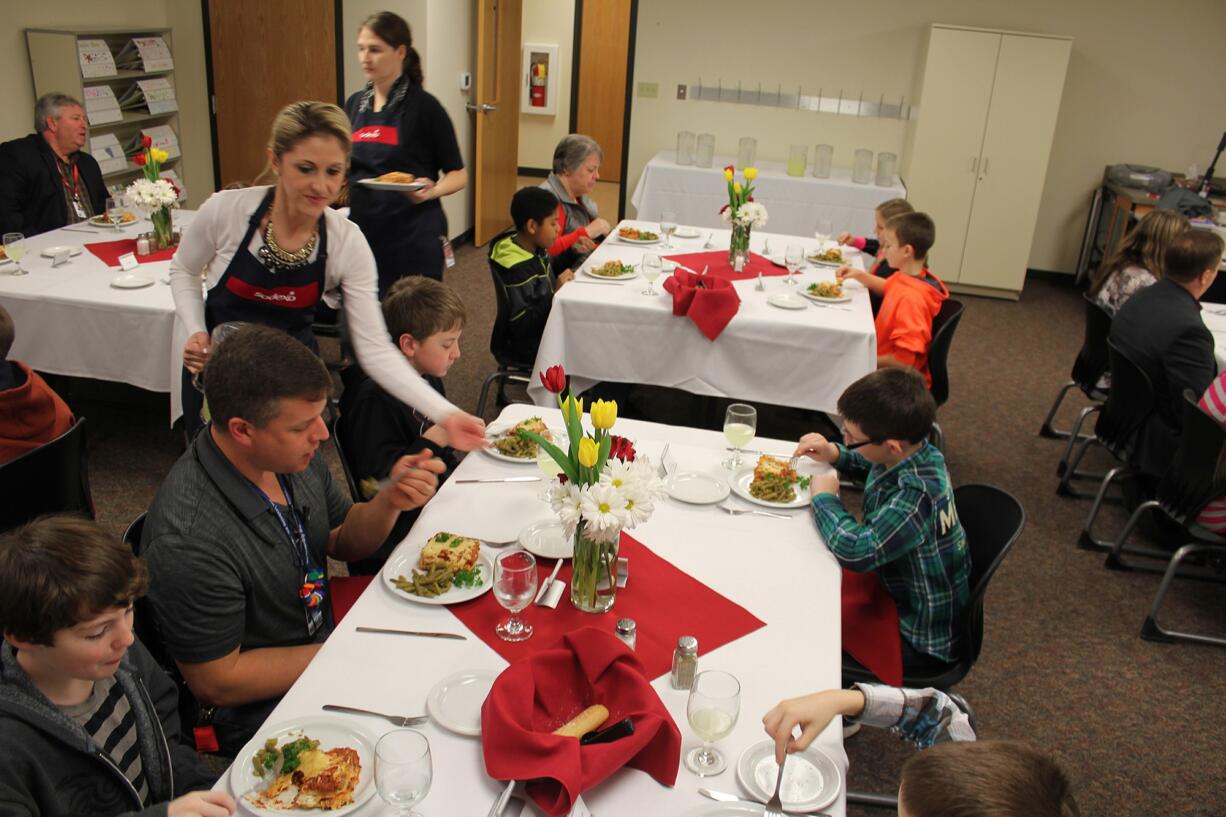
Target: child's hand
x,y
812,713
847,271
827,483
202,804
816,447
844,237
565,277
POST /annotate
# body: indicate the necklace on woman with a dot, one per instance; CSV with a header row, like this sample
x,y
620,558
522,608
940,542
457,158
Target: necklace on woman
x,y
274,257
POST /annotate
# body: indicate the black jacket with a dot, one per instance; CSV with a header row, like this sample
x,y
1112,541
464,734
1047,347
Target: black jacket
x,y
52,767
31,190
529,284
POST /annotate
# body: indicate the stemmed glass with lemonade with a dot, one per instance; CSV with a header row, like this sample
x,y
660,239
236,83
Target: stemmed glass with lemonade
x,y
668,226
712,710
740,426
793,259
15,248
652,266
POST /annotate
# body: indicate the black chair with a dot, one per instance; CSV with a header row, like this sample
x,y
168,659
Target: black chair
x,y
334,430
1088,369
52,478
992,519
1129,404
943,327
509,369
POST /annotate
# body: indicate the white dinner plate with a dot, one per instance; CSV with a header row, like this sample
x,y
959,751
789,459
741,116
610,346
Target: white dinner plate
x,y
696,488
4,259
405,564
740,486
100,221
819,299
642,241
625,276
52,252
547,539
686,232
787,300
331,732
455,702
401,186
130,280
725,810
813,259
811,779
489,450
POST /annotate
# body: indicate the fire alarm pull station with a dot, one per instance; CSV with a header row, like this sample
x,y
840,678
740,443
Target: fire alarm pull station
x,y
540,91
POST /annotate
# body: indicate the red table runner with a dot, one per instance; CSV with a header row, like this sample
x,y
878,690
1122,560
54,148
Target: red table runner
x,y
717,265
108,252
664,601
870,626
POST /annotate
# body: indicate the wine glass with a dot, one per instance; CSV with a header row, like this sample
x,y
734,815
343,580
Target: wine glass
x,y
652,267
712,710
514,588
668,226
740,425
825,229
793,259
114,211
220,332
15,248
403,770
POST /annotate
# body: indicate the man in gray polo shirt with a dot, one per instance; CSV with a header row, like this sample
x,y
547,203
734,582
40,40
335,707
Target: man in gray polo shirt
x,y
238,535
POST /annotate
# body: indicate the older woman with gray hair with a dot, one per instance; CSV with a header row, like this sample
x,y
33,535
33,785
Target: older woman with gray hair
x,y
576,169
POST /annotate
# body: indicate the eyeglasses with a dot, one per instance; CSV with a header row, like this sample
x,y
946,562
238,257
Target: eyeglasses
x,y
861,444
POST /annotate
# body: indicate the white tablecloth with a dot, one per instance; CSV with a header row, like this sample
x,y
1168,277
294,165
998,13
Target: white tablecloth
x,y
794,203
803,358
1214,316
71,321
777,569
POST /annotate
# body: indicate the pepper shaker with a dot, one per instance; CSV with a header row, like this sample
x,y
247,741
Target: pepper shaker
x,y
685,662
627,631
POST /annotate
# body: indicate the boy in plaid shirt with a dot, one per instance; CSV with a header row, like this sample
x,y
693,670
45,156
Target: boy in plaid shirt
x,y
910,535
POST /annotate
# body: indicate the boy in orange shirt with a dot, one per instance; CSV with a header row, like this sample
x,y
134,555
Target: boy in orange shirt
x,y
910,298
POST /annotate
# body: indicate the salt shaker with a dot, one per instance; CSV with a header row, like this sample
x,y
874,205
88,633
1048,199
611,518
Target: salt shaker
x,y
142,246
627,631
685,662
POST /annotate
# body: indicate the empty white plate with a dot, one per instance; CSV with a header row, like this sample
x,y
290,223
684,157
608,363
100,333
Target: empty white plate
x,y
696,488
455,702
51,252
130,280
811,779
686,232
547,539
786,300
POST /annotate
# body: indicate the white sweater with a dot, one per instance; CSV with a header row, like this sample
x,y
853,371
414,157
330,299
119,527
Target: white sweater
x,y
211,241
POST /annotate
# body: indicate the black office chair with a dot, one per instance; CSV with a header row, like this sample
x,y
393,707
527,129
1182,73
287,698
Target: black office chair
x,y
992,519
509,369
1129,404
943,327
334,429
1088,369
52,478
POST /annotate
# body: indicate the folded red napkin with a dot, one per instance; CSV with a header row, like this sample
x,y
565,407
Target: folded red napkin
x,y
870,626
109,251
535,696
716,264
710,302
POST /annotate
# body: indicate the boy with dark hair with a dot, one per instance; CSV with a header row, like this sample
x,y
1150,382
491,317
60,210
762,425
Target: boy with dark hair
x,y
520,259
88,721
910,298
910,535
425,319
31,413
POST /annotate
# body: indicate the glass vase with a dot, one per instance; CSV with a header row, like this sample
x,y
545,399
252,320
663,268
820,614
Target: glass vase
x,y
593,583
163,228
738,248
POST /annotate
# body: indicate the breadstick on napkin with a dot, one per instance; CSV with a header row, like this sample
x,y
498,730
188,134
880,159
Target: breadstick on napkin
x,y
586,721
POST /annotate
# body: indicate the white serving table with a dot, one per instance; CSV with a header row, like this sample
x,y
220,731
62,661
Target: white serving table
x,y
777,569
71,321
803,358
794,203
1214,316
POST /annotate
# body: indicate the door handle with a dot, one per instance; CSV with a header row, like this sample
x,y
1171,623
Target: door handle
x,y
985,168
483,107
974,165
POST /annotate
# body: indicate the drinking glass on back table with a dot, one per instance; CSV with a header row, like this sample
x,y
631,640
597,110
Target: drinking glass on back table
x,y
15,248
403,769
652,266
824,230
712,710
668,226
514,588
740,425
793,259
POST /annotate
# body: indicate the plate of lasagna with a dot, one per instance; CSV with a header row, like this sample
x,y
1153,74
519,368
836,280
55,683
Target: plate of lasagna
x,y
447,569
304,767
633,235
508,446
395,180
773,482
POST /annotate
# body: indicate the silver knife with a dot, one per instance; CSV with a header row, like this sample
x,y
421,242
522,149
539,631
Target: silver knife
x,y
412,632
597,283
399,720
498,479
81,230
732,798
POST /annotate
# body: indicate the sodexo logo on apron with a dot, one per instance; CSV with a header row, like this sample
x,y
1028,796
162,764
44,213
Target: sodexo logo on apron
x,y
380,134
289,297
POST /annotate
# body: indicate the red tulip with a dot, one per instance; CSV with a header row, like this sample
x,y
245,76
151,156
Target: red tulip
x,y
139,159
730,168
146,142
554,379
621,448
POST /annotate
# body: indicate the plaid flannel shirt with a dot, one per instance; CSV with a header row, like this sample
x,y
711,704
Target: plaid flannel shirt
x,y
911,537
923,716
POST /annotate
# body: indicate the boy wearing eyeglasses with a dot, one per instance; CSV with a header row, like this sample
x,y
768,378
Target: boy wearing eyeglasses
x,y
910,534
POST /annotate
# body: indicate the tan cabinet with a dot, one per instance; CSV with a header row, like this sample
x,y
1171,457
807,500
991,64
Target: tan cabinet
x,y
978,155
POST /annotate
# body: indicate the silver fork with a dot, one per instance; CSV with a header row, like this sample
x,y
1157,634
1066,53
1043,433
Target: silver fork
x,y
741,511
774,806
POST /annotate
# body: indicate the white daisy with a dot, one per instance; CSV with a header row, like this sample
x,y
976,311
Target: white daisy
x,y
603,509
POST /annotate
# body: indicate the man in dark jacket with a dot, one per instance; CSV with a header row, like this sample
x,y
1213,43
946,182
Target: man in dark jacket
x,y
46,180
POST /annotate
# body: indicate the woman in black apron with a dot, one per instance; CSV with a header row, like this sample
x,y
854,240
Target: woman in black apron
x,y
397,126
271,254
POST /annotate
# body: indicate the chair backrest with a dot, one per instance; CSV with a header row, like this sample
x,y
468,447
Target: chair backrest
x,y
50,479
499,346
1129,403
1093,359
335,421
1191,481
943,326
992,519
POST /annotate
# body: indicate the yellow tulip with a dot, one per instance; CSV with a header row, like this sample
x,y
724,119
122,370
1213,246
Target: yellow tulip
x,y
727,175
572,407
604,414
158,154
736,187
751,173
588,452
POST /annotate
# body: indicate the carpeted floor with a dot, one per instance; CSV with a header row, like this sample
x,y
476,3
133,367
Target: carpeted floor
x,y
1139,726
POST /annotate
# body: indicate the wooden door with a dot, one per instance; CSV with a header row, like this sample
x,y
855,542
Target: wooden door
x,y
604,43
496,107
953,111
1016,146
263,56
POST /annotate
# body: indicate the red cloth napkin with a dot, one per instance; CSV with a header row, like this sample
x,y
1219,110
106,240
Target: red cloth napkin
x,y
344,591
109,251
533,697
665,602
717,265
710,302
870,626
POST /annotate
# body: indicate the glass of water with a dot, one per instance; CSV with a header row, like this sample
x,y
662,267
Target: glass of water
x,y
652,267
15,248
825,229
793,259
712,710
514,588
114,211
740,426
403,769
668,226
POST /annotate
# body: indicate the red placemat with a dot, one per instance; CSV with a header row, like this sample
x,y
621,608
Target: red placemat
x,y
664,601
709,301
870,626
717,264
108,252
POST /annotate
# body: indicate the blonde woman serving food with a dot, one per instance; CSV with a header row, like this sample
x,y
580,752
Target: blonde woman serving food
x,y
270,254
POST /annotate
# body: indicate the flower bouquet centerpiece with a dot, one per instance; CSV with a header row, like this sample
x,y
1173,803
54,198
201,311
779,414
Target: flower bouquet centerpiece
x,y
153,194
743,213
602,488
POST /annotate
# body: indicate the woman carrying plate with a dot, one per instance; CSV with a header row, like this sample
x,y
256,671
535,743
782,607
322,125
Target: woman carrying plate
x,y
397,126
270,254
576,169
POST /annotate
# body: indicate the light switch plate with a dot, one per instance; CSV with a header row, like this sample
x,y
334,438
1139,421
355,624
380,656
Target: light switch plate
x,y
649,90
681,91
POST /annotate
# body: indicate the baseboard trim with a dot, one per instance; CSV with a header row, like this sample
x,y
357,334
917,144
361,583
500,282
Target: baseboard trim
x,y
535,172
1054,276
463,238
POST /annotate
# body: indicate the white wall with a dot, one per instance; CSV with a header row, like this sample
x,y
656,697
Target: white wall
x,y
1144,83
548,22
